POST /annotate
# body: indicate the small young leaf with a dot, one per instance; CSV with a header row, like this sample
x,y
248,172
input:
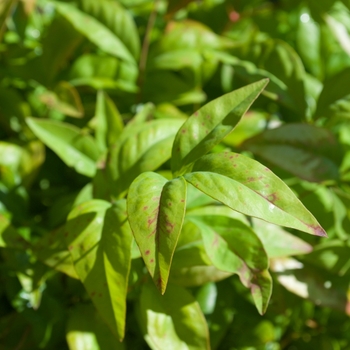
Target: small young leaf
x,y
99,240
109,122
156,209
209,125
248,187
172,321
68,142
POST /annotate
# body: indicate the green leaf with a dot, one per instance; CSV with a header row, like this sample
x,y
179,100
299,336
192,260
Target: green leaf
x,y
9,237
278,242
86,330
99,240
144,147
117,20
210,124
19,162
332,256
172,321
68,142
95,31
334,98
310,152
156,209
109,121
191,265
250,188
276,90
51,249
234,247
308,41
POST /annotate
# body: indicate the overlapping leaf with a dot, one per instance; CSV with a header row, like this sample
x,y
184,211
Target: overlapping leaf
x,y
210,124
310,152
85,326
172,321
278,242
116,19
109,122
144,147
234,247
156,209
99,240
71,145
249,187
334,98
95,31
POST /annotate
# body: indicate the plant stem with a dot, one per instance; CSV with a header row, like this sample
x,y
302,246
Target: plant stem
x,y
144,49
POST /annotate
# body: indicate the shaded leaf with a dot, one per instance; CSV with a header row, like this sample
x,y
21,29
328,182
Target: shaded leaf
x,y
172,321
51,249
210,124
9,237
234,247
86,331
307,151
156,209
192,267
317,285
250,188
278,242
144,147
335,95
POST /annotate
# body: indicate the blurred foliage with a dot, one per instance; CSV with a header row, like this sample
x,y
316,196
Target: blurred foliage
x,y
93,94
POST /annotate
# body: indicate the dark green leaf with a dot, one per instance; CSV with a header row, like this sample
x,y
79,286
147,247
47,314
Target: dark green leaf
x,y
310,152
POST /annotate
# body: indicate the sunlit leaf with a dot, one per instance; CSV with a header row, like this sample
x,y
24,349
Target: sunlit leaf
x,y
71,145
250,188
99,240
156,209
86,330
209,125
109,121
117,20
95,31
173,320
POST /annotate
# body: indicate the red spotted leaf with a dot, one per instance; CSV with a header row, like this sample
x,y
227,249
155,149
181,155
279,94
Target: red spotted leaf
x,y
156,209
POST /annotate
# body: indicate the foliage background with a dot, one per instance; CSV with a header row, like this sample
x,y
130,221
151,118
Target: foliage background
x,y
94,65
